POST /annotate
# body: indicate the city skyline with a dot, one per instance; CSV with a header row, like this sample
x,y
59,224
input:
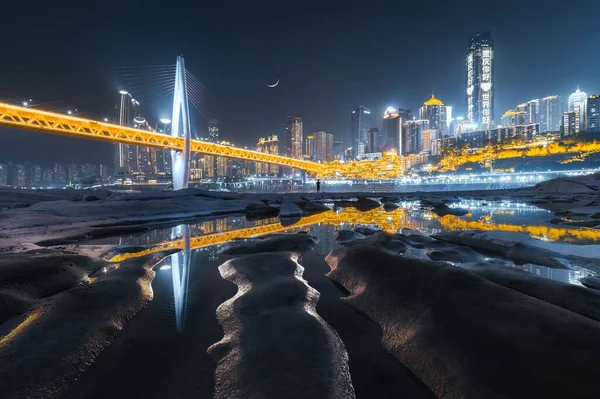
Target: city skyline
x,y
321,91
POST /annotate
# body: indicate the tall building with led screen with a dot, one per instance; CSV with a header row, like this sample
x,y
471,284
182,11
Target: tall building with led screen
x,y
479,64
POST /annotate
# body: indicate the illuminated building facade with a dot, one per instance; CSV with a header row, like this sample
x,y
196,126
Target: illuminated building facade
x,y
434,111
269,145
360,122
293,137
372,140
309,147
481,138
578,102
338,150
593,114
392,130
414,136
429,136
124,118
570,124
479,64
323,150
514,118
3,174
550,114
533,110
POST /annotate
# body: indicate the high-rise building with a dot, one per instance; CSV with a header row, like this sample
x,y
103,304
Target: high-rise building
x,y
34,175
329,148
309,147
323,147
3,174
514,118
434,111
338,150
293,137
534,111
392,128
449,118
269,145
550,114
372,140
17,175
593,114
360,120
429,136
570,125
413,138
139,158
578,102
125,115
479,62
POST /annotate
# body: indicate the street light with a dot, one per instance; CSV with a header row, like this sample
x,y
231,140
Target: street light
x,y
165,122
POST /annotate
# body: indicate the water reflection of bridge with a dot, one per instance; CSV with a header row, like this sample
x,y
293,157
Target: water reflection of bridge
x,y
327,222
221,231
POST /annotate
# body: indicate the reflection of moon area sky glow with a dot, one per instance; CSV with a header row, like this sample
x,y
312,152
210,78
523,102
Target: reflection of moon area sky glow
x,y
273,85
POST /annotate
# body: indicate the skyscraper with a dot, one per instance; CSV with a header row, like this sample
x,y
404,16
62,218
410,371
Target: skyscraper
x,y
570,124
533,111
309,147
593,114
213,131
338,150
578,102
3,175
360,123
434,111
392,130
550,114
479,64
514,118
124,118
372,140
293,137
413,138
270,145
329,148
323,147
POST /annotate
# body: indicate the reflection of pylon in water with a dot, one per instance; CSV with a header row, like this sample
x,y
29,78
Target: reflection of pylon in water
x,y
180,269
180,160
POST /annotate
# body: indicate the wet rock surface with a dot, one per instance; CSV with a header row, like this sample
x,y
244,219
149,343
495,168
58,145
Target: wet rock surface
x,y
381,239
290,209
266,351
591,282
453,328
521,249
61,334
299,242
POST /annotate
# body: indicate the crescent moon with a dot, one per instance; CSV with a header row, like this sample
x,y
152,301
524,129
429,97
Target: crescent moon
x,y
273,85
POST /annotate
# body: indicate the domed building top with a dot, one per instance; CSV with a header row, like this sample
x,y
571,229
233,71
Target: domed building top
x,y
433,101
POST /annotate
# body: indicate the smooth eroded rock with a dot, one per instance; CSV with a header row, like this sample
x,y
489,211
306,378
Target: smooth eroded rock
x,y
275,345
465,336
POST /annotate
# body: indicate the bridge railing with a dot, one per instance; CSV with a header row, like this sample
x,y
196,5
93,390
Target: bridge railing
x,y
67,125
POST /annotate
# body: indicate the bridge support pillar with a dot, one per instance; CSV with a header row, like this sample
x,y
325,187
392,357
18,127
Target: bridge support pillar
x,y
180,160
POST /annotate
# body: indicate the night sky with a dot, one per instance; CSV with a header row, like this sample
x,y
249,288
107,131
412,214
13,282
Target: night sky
x,y
329,55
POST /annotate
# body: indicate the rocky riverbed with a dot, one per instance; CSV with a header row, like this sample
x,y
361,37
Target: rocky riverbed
x,y
383,310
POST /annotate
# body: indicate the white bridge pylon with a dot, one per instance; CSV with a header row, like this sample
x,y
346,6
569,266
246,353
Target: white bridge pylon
x,y
180,160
